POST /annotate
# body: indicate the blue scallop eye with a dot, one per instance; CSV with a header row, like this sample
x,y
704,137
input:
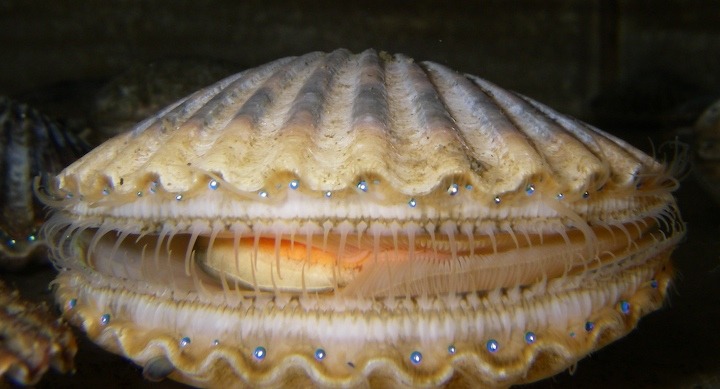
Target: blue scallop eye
x,y
415,357
530,189
259,353
320,354
492,345
625,307
530,337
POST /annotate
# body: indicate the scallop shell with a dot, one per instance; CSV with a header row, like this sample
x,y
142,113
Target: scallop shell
x,y
32,144
32,340
343,220
707,144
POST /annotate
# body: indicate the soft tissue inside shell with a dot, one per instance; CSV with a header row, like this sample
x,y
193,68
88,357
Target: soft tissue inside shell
x,y
408,262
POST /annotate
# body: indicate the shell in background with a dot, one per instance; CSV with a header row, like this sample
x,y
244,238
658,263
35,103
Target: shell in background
x,y
350,220
142,90
707,145
32,340
31,145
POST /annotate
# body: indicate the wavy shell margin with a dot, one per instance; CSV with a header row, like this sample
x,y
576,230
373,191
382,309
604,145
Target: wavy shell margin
x,y
230,366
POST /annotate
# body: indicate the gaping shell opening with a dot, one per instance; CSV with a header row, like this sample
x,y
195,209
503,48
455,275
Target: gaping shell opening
x,y
362,258
349,288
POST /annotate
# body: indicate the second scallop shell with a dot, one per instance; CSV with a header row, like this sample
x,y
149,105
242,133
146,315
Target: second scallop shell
x,y
338,220
31,145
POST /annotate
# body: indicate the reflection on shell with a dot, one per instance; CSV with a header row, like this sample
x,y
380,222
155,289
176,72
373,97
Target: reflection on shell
x,y
338,219
31,340
32,145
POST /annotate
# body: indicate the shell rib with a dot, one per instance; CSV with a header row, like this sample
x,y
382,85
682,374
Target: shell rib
x,y
345,220
32,340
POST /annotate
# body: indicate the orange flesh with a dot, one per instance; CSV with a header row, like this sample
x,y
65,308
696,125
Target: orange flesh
x,y
528,257
355,252
297,251
482,262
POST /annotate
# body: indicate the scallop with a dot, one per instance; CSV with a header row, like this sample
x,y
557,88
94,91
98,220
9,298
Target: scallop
x,y
707,146
32,340
339,219
32,144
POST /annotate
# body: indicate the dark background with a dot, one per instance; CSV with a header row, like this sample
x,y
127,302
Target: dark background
x,y
640,69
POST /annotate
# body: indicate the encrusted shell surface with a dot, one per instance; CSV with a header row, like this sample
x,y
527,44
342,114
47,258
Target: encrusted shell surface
x,y
31,145
343,219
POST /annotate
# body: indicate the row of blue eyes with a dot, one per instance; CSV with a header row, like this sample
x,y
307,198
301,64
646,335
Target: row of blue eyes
x,y
416,357
452,190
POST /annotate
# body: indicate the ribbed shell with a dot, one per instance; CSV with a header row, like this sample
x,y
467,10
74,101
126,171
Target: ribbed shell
x,y
31,145
324,121
33,340
331,118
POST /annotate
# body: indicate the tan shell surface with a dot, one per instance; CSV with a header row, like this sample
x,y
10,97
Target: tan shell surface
x,y
332,118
